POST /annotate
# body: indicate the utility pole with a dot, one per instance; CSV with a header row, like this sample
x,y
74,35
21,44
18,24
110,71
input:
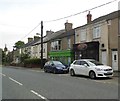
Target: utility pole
x,y
41,44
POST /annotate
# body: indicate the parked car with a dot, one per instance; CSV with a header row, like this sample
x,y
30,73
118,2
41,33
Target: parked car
x,y
91,68
55,67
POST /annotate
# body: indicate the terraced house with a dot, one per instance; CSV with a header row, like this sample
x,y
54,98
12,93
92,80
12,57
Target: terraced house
x,y
61,44
98,39
36,50
56,45
27,48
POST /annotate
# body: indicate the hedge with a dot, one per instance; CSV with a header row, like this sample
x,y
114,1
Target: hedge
x,y
33,62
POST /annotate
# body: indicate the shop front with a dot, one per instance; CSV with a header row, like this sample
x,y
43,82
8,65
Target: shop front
x,y
65,56
87,50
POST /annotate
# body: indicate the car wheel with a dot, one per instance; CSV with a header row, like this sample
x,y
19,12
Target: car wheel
x,y
45,70
92,75
72,73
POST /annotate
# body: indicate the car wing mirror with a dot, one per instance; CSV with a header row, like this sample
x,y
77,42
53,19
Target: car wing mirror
x,y
85,65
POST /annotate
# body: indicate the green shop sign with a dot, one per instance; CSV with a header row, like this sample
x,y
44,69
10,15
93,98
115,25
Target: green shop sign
x,y
65,53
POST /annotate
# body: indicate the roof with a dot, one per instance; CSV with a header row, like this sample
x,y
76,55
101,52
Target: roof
x,y
110,16
50,37
66,34
30,43
56,34
59,34
107,17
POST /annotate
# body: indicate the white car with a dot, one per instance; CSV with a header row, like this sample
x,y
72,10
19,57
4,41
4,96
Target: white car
x,y
91,68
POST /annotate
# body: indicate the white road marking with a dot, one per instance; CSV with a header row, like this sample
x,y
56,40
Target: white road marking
x,y
2,74
15,81
42,97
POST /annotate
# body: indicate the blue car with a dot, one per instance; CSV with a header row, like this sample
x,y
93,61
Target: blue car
x,y
55,67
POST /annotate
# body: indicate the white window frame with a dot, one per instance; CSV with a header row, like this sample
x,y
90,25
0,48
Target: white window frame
x,y
83,35
69,43
96,32
55,43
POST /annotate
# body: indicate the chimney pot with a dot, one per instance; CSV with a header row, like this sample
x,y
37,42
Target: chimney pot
x,y
49,32
89,17
30,40
68,26
36,38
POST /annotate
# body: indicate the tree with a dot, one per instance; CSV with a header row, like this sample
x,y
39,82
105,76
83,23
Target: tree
x,y
23,57
19,44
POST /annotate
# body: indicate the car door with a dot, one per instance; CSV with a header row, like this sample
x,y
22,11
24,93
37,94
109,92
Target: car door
x,y
51,67
83,68
47,66
76,65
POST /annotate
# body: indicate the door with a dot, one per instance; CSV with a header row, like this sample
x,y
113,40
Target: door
x,y
115,60
77,67
104,57
84,68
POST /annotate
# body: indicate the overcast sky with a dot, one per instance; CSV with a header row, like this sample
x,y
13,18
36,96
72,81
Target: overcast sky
x,y
19,17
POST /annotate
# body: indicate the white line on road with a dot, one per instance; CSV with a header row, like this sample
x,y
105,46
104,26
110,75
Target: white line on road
x,y
2,74
42,97
15,81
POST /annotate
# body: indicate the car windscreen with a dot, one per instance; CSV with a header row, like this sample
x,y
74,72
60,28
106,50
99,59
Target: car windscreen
x,y
92,62
57,63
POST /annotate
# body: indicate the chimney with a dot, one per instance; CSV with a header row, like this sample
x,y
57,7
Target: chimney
x,y
49,32
30,40
68,26
36,38
89,17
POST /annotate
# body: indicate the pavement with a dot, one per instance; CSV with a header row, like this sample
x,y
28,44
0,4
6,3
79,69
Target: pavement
x,y
116,74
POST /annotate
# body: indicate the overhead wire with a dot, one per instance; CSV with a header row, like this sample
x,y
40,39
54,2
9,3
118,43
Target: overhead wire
x,y
81,12
31,31
69,16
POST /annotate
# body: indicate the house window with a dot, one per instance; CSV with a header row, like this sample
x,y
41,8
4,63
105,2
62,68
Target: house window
x,y
96,32
69,43
44,50
56,45
83,35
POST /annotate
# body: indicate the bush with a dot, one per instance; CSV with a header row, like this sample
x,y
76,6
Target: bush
x,y
34,63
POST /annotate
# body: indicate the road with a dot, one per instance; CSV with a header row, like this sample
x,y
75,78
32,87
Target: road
x,y
35,84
